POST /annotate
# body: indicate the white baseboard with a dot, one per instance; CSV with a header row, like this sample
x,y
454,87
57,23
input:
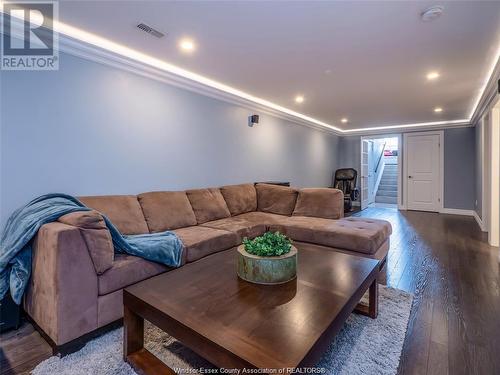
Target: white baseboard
x,y
479,222
457,211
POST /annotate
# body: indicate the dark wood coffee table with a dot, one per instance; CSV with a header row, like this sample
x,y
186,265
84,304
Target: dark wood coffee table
x,y
235,324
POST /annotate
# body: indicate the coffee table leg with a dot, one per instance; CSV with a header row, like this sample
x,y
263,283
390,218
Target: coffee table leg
x,y
372,309
373,300
133,332
141,360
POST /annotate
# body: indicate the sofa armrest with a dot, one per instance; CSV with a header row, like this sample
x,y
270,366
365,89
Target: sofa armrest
x,y
62,294
325,203
96,235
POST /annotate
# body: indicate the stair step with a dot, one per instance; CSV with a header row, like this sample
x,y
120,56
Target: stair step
x,y
388,187
387,193
383,199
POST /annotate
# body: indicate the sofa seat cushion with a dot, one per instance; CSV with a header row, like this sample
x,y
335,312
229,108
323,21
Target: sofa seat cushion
x,y
239,225
276,199
128,270
124,212
320,202
208,204
240,198
355,234
200,241
166,210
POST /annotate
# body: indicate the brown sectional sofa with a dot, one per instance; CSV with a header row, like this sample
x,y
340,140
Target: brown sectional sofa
x,y
77,280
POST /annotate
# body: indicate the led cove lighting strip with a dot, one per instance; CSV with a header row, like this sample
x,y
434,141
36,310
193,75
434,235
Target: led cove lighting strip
x,y
120,49
489,74
420,124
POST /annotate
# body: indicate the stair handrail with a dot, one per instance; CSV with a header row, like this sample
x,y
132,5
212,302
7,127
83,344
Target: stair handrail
x,y
380,157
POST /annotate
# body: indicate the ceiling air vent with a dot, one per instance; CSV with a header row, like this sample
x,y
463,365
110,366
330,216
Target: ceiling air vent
x,y
150,30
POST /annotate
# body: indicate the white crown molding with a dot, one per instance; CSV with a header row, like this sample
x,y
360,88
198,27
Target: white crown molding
x,y
94,48
408,128
96,54
93,53
489,94
106,56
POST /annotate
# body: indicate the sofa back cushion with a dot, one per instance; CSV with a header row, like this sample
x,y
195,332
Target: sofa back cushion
x,y
240,198
276,199
124,211
166,210
208,204
322,202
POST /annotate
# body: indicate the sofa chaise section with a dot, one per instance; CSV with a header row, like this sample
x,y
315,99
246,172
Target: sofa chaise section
x,y
358,235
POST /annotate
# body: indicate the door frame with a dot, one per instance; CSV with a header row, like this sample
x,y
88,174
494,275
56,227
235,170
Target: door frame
x,y
440,133
399,136
494,179
362,178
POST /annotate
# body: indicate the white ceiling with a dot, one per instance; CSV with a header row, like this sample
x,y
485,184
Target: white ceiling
x,y
363,60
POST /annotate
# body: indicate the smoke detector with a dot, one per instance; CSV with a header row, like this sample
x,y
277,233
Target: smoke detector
x,y
150,30
432,13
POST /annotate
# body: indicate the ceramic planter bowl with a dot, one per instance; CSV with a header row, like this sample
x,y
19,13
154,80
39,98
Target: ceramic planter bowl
x,y
267,270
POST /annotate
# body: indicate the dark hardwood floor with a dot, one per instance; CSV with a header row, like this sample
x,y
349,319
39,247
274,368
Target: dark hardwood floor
x,y
444,260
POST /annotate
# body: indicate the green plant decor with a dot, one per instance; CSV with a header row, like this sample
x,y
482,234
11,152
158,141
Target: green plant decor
x,y
268,245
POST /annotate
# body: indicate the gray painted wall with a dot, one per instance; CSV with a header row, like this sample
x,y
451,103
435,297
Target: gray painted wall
x,y
349,154
91,129
459,168
459,165
479,171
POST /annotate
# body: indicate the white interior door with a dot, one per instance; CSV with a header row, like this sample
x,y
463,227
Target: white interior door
x,y
365,192
422,174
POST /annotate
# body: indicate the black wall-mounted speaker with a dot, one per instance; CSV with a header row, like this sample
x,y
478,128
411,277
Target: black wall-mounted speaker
x,y
254,119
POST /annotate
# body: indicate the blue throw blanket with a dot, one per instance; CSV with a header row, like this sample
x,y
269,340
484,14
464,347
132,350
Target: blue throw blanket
x,y
23,224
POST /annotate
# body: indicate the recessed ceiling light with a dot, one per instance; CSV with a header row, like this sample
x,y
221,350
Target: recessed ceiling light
x,y
344,120
187,45
432,13
432,76
299,99
438,109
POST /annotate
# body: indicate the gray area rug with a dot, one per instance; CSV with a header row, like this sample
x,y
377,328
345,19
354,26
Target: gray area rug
x,y
363,346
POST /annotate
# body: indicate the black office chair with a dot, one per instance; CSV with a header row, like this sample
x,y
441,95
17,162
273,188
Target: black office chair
x,y
345,179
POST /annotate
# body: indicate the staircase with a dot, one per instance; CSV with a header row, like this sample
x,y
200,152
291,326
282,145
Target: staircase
x,y
388,188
